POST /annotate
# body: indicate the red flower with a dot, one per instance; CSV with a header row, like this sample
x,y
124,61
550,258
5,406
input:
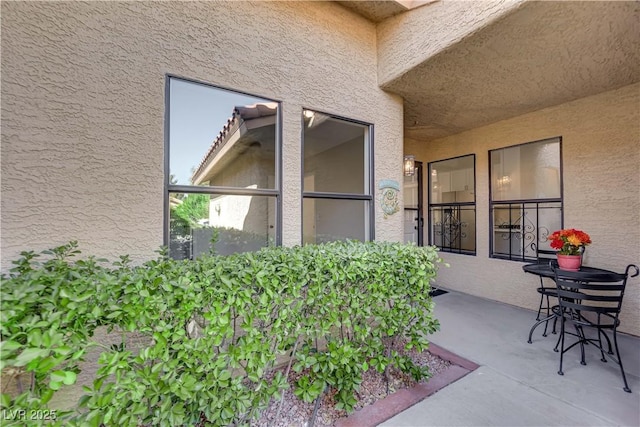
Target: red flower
x,y
557,244
569,241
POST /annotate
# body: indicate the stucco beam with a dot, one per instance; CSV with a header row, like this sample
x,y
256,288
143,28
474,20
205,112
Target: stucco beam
x,y
407,40
376,11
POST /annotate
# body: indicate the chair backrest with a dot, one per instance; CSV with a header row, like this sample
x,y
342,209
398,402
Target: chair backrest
x,y
597,292
543,256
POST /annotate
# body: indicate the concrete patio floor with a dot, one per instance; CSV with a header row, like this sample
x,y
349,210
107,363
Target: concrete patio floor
x,y
517,383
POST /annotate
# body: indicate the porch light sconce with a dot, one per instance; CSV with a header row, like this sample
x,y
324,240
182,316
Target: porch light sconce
x,y
409,165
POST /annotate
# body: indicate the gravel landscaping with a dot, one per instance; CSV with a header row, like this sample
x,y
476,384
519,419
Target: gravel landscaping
x,y
296,413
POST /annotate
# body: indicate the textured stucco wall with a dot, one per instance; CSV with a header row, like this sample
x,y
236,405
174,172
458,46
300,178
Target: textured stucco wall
x,y
601,172
83,107
408,39
460,65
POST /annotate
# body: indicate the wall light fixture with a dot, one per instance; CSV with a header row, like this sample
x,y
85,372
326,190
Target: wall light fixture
x,y
409,165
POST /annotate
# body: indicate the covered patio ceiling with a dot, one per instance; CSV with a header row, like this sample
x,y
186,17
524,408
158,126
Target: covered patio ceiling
x,y
535,56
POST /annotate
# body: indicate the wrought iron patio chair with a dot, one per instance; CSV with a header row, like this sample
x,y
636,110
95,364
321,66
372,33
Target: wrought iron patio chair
x,y
591,301
544,256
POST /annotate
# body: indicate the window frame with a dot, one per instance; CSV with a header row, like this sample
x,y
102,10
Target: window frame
x,y
327,195
169,188
522,202
457,204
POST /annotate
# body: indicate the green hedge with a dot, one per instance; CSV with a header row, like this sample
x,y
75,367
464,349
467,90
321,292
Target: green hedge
x,y
218,328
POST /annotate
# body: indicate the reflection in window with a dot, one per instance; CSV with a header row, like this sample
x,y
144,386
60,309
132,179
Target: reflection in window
x,y
224,224
452,205
337,173
526,203
334,155
221,138
527,171
223,186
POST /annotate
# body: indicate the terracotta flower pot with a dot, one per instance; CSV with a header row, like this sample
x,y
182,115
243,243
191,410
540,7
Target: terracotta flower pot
x,y
569,262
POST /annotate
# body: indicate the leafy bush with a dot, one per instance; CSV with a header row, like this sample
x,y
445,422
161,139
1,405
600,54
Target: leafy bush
x,y
219,328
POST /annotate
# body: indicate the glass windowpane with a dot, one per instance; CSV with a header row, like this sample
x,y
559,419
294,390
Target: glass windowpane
x,y
335,155
527,171
453,228
220,138
518,228
411,191
453,180
232,223
326,220
452,209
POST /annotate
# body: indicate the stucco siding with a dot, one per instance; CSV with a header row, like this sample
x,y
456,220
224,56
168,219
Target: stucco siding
x,y
601,173
408,39
83,107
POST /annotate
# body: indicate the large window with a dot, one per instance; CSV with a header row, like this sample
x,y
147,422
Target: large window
x,y
337,174
222,161
526,198
452,205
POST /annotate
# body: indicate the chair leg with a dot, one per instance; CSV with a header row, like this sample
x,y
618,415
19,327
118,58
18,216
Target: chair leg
x,y
561,343
540,306
555,321
624,377
557,343
542,295
600,333
546,324
582,338
547,308
608,342
533,328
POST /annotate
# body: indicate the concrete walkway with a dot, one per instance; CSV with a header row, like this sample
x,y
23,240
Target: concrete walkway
x,y
517,383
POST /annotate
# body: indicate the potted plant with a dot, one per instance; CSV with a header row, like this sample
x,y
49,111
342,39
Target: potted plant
x,y
570,244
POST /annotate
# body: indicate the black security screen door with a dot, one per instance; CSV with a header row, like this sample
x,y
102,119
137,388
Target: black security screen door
x,y
413,207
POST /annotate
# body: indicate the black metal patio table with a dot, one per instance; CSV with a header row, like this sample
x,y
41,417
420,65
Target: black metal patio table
x,y
545,270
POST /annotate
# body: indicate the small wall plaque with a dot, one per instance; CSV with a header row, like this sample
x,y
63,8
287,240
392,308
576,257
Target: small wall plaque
x,y
389,189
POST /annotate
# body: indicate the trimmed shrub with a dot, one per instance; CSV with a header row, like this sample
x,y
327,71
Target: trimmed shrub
x,y
219,329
